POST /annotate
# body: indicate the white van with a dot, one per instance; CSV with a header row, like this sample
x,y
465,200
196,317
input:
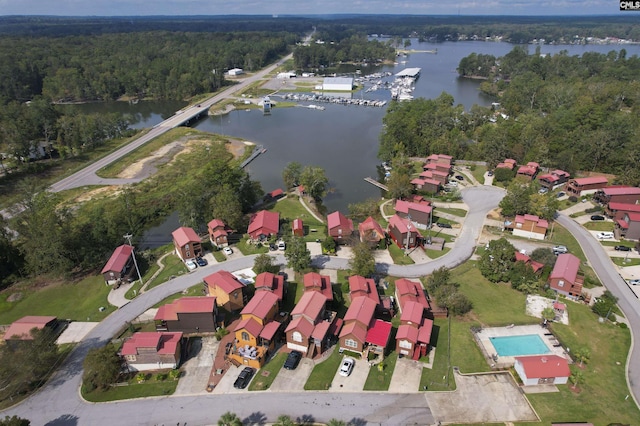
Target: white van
x,y
605,236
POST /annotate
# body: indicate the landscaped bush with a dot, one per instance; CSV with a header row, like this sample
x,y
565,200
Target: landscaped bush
x,y
573,199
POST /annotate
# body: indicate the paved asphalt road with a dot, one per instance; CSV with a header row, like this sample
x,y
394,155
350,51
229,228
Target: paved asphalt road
x,y
611,279
59,403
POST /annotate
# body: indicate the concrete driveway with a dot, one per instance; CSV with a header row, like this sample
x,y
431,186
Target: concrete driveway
x,y
482,398
293,380
406,376
226,384
196,369
355,381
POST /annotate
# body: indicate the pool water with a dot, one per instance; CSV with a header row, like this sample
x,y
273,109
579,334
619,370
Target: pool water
x,y
529,344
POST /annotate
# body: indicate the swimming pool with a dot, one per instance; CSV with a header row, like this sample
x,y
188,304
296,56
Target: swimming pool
x,y
528,344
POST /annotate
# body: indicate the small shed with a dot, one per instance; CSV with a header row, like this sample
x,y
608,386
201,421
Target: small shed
x,y
235,71
297,228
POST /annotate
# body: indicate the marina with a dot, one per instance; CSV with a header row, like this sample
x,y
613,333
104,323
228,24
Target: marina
x,y
332,100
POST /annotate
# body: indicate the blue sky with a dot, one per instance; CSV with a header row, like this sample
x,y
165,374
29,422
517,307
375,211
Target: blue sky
x,y
293,7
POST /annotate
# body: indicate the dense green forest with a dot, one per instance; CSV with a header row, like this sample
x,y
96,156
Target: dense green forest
x,y
355,48
577,113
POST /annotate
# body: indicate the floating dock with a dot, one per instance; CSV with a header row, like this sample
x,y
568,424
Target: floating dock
x,y
372,181
257,150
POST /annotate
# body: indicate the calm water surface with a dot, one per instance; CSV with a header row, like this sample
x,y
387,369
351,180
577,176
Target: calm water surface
x,y
341,139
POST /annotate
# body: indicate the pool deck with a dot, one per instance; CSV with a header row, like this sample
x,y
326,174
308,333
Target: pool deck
x,y
497,362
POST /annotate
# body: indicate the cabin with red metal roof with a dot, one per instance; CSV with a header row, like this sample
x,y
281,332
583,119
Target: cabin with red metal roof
x,y
420,214
536,266
371,232
297,228
410,291
357,319
629,226
151,350
187,243
553,179
586,185
257,331
414,333
313,281
218,233
565,277
227,289
617,210
618,194
312,326
267,281
361,286
528,226
119,267
542,370
263,225
20,330
426,185
508,163
340,227
188,315
404,233
528,171
377,337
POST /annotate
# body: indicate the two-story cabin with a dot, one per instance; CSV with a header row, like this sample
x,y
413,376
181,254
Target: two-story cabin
x,y
565,277
188,315
227,289
257,331
587,185
187,243
218,233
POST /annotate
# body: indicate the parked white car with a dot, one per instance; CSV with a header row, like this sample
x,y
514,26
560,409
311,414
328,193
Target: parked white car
x,y
605,235
190,264
347,366
281,245
227,251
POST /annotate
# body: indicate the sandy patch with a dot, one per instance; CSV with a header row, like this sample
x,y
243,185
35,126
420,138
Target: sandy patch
x,y
138,167
105,191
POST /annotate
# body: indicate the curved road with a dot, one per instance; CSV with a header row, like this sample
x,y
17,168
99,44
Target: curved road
x,y
59,401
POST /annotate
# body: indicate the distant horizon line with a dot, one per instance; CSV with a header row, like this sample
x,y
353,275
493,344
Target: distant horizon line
x,y
289,15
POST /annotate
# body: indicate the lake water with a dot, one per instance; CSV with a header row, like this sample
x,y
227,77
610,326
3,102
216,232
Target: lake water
x,y
343,140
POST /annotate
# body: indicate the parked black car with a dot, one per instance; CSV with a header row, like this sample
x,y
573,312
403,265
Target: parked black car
x,y
201,261
597,217
622,248
459,177
292,360
443,225
244,378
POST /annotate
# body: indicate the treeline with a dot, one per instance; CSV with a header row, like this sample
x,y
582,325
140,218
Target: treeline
x,y
59,239
58,26
160,65
513,29
568,112
355,48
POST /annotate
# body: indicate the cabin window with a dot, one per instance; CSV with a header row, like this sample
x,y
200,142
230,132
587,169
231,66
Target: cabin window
x,y
296,336
245,336
561,283
350,343
405,344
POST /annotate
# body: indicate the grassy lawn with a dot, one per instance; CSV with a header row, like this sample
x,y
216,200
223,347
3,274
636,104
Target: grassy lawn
x,y
78,301
173,267
196,290
486,298
478,172
603,389
625,243
434,254
599,226
453,211
267,374
439,378
323,373
153,386
398,256
290,209
246,248
115,168
219,256
561,236
380,380
621,261
389,209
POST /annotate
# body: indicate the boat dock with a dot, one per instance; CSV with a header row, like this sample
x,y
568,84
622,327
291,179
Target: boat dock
x,y
257,150
374,182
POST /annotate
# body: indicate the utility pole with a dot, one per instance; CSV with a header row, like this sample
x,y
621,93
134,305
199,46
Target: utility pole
x,y
133,254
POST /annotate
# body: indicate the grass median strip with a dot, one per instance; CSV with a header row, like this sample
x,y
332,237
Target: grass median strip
x,y
324,372
267,374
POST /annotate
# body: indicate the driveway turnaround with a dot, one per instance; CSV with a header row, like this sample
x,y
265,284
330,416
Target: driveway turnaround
x,y
493,397
482,398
